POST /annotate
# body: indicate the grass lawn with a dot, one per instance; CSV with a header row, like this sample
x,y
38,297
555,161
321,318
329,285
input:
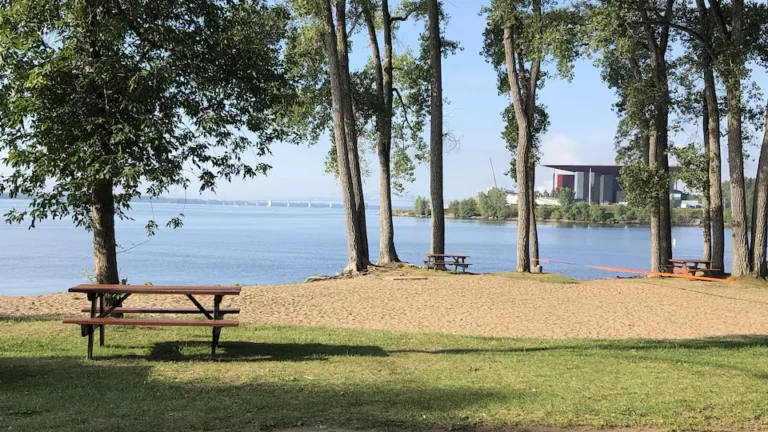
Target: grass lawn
x,y
540,277
275,377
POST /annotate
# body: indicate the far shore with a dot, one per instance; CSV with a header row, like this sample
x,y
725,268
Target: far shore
x,y
410,213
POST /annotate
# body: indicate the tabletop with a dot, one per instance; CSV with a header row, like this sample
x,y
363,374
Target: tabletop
x,y
693,261
447,255
155,289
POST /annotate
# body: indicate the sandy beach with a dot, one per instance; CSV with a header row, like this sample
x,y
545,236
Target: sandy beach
x,y
485,305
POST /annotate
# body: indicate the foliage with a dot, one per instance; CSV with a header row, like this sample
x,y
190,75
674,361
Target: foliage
x,y
643,184
140,95
692,167
548,33
596,213
311,116
468,208
421,207
494,204
565,197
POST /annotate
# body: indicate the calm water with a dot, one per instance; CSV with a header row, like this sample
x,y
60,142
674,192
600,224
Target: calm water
x,y
261,245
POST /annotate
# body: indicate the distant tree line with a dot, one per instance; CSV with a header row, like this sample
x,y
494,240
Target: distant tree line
x,y
493,205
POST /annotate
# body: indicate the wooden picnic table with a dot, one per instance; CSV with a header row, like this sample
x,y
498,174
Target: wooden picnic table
x,y
690,266
455,260
101,316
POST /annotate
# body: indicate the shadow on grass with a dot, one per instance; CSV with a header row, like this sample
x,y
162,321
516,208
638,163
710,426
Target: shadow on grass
x,y
725,342
246,351
64,394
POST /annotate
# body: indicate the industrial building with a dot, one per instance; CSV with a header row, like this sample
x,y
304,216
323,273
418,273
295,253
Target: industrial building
x,y
590,183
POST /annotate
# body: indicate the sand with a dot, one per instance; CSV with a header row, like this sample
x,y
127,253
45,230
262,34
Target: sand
x,y
486,305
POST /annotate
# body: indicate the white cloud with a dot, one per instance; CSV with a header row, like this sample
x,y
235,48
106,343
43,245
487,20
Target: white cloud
x,y
562,150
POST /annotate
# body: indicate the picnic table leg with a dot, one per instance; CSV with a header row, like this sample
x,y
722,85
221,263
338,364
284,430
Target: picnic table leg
x,y
215,334
101,328
92,299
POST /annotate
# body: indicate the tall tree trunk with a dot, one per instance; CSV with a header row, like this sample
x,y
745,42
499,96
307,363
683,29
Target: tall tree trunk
x,y
350,127
522,156
705,201
383,86
356,258
661,212
534,233
740,247
715,167
436,131
103,223
760,210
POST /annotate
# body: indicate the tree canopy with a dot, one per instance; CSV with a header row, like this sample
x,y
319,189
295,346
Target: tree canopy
x,y
146,96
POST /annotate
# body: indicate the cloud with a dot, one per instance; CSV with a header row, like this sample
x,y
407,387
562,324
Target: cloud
x,y
561,149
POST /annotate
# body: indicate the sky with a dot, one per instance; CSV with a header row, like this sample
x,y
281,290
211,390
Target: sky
x,y
582,127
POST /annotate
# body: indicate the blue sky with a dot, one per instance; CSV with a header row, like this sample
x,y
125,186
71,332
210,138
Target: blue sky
x,y
581,131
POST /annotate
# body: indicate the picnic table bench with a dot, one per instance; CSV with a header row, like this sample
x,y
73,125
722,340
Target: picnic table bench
x,y
690,266
101,317
434,261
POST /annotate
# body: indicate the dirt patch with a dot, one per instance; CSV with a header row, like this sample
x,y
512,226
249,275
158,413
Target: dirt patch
x,y
484,305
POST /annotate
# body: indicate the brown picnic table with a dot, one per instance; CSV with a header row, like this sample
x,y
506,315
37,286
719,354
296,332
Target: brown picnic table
x,y
101,316
434,261
690,266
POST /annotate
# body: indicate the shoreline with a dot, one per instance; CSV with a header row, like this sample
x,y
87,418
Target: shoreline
x,y
409,213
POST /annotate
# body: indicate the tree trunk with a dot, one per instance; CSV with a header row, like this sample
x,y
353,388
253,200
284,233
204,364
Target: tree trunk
x,y
356,258
760,211
383,86
350,127
103,224
740,246
705,202
534,232
522,157
715,167
661,212
436,131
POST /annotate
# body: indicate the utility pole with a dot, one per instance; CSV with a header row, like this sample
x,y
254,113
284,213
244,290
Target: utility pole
x,y
494,174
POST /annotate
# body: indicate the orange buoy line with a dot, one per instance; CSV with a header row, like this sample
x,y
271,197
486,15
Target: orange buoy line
x,y
671,275
645,272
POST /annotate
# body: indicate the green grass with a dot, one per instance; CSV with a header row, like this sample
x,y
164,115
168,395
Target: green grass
x,y
540,277
273,377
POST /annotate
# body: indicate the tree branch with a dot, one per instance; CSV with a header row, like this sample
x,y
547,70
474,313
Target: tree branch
x,y
714,5
696,35
393,19
405,107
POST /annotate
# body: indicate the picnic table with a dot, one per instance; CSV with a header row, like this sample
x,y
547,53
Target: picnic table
x,y
101,316
434,261
690,266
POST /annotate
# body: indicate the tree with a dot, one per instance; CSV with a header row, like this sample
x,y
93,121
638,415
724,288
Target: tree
x,y
468,208
102,102
437,242
421,207
760,211
519,37
317,52
730,37
565,197
633,58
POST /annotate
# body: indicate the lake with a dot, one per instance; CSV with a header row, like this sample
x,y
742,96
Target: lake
x,y
262,245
